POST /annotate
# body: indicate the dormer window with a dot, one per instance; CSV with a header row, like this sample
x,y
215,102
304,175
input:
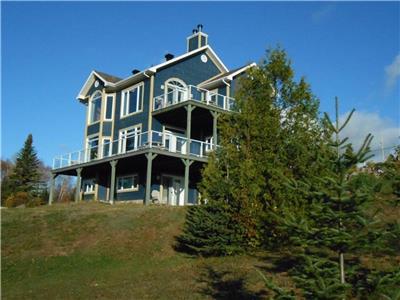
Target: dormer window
x,y
95,107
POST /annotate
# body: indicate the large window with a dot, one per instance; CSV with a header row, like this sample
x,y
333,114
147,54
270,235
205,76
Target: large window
x,y
129,139
95,107
131,101
109,109
127,183
88,186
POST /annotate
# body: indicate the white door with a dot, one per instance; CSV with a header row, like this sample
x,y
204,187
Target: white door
x,y
173,191
178,191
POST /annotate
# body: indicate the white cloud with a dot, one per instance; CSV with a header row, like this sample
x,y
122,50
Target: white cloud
x,y
382,129
392,72
323,13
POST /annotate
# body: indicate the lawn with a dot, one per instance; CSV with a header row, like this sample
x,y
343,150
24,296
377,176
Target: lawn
x,y
91,250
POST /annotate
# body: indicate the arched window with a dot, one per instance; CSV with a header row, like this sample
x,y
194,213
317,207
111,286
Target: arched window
x,y
175,91
95,107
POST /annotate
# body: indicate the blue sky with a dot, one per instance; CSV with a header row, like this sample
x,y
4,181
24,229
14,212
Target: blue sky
x,y
350,50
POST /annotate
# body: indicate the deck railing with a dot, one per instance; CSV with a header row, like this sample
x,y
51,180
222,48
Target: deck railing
x,y
133,142
179,95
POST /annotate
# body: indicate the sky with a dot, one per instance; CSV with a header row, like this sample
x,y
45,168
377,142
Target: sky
x,y
345,49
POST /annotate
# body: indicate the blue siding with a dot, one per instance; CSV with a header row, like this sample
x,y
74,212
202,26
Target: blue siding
x,y
107,126
135,119
191,70
93,129
203,41
193,43
234,83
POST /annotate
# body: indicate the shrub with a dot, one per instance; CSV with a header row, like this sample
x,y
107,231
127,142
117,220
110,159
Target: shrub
x,y
210,230
17,199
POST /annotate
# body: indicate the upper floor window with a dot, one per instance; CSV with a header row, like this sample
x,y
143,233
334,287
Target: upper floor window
x,y
92,145
132,100
175,91
109,109
129,139
95,107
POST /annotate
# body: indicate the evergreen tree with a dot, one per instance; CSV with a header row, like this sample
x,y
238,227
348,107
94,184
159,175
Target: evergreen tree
x,y
209,231
275,134
25,175
333,221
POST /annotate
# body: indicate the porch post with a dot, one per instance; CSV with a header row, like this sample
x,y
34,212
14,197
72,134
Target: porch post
x,y
187,163
52,183
78,185
189,108
113,164
215,116
150,156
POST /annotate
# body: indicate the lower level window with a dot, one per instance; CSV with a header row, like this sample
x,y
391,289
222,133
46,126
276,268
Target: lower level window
x,y
128,183
88,186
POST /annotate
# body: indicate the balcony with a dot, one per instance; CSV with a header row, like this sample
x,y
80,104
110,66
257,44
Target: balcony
x,y
162,141
179,95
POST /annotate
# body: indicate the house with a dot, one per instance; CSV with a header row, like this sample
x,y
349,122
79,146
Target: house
x,y
147,136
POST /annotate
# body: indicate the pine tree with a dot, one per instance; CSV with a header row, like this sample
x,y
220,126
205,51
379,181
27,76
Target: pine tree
x,y
25,176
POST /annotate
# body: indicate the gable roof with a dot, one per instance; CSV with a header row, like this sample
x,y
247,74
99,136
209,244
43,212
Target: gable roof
x,y
115,82
225,77
107,77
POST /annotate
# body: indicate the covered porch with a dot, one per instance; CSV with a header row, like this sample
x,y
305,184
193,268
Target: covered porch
x,y
147,177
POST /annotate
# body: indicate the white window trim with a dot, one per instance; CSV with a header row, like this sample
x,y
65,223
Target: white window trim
x,y
87,150
133,189
184,89
102,146
122,108
90,107
112,107
120,140
93,185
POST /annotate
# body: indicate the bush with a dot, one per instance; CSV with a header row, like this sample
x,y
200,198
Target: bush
x,y
210,230
17,199
23,198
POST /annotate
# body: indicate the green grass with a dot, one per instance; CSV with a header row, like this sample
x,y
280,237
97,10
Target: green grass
x,y
91,251
97,251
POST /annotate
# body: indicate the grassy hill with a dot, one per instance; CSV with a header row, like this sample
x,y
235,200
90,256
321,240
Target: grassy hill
x,y
88,251
91,250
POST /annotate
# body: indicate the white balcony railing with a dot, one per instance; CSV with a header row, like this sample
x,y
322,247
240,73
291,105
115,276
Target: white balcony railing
x,y
151,139
180,95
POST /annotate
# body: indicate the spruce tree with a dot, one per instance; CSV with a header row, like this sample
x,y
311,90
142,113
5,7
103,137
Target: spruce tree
x,y
333,221
25,176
